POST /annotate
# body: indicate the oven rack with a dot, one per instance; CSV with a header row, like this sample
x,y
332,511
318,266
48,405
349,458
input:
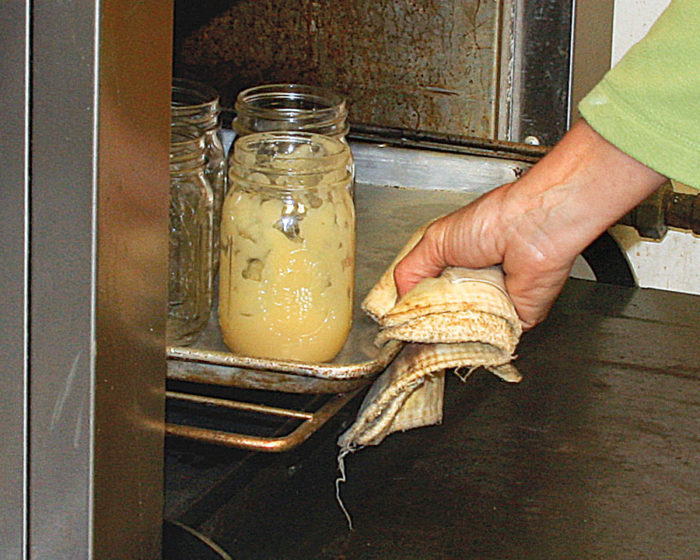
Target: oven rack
x,y
335,384
311,422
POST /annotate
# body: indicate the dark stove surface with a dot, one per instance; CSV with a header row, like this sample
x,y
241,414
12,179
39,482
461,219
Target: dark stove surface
x,y
593,455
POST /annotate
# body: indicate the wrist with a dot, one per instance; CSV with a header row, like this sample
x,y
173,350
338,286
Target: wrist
x,y
582,187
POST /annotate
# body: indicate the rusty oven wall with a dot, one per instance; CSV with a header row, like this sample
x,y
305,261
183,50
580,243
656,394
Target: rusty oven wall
x,y
430,65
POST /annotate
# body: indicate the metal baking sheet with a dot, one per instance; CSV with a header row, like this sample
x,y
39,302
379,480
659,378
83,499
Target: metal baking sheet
x,y
397,190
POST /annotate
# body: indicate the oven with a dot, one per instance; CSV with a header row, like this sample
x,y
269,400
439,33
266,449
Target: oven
x,y
118,446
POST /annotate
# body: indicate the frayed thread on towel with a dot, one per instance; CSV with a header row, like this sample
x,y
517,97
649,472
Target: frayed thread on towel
x,y
462,375
343,478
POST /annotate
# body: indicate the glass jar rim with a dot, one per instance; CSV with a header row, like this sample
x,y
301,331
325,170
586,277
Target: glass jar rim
x,y
281,101
191,94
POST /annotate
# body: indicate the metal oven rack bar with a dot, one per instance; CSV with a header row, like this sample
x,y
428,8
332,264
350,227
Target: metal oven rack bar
x,y
311,422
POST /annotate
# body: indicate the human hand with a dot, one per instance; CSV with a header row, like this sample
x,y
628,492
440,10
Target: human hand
x,y
477,236
536,227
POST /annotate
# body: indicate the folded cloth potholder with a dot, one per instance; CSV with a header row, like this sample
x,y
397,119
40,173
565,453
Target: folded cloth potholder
x,y
463,319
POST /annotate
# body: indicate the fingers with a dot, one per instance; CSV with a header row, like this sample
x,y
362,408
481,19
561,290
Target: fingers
x,y
533,292
469,237
423,261
476,236
456,239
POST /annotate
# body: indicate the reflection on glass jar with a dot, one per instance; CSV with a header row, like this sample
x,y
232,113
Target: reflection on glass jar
x,y
197,104
287,247
190,271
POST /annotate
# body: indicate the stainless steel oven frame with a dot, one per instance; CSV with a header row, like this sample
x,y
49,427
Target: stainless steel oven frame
x,y
84,98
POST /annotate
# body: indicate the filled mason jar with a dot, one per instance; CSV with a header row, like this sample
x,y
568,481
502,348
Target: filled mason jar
x,y
197,104
287,259
190,262
293,107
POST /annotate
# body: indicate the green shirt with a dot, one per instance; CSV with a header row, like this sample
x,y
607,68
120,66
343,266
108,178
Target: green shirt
x,y
648,105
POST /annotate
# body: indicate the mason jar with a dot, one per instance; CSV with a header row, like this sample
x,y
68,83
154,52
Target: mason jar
x,y
197,104
293,107
190,263
287,247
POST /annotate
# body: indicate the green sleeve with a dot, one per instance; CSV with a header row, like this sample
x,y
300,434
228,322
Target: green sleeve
x,y
648,105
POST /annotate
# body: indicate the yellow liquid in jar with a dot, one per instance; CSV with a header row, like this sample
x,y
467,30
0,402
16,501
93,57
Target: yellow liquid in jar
x,y
282,296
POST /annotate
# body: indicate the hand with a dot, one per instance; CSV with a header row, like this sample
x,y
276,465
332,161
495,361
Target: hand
x,y
537,226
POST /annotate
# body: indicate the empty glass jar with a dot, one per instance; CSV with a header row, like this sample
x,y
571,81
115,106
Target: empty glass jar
x,y
197,104
190,264
287,247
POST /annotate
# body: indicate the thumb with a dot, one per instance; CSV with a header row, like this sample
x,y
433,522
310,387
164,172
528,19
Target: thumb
x,y
423,261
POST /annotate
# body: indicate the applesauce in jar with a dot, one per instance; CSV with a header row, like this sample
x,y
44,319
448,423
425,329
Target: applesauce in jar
x,y
287,247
